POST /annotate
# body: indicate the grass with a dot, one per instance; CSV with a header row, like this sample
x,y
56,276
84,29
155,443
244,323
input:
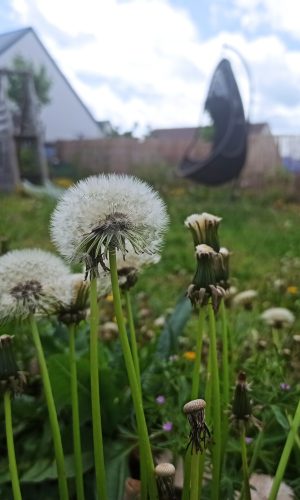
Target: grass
x,y
259,229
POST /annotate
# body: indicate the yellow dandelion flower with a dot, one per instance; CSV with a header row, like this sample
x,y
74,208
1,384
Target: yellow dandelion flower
x,y
189,355
109,298
293,290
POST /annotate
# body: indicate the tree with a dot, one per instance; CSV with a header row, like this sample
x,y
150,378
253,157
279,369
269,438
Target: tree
x,y
16,87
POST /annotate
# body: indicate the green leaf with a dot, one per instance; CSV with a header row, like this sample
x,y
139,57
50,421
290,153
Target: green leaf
x,y
58,366
168,340
280,417
117,469
43,470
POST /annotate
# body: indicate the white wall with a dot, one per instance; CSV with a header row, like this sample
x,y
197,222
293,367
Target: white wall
x,y
65,117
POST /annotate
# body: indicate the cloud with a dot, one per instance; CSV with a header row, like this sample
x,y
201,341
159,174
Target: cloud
x,y
147,62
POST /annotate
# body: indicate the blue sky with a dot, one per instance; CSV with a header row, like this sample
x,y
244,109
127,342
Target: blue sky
x,y
150,61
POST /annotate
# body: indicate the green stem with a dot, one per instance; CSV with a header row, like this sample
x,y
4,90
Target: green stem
x,y
58,449
225,374
195,477
285,454
95,394
135,391
10,448
135,358
75,416
246,489
196,372
256,451
134,349
187,476
216,408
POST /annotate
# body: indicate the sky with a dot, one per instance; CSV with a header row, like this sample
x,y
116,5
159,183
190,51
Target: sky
x,y
149,62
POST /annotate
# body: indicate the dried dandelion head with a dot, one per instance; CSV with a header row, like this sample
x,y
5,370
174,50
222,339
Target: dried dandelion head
x,y
31,282
108,212
199,433
165,473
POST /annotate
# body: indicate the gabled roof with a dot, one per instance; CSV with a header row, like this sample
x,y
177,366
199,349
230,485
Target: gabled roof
x,y
8,39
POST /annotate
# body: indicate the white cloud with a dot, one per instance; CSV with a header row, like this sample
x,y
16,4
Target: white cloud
x,y
145,61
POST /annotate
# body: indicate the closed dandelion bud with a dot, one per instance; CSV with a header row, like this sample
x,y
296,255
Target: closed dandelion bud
x,y
204,284
165,473
241,407
204,229
11,378
222,268
199,435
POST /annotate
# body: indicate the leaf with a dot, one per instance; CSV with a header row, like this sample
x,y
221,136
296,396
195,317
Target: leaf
x,y
117,469
58,366
168,341
43,469
280,417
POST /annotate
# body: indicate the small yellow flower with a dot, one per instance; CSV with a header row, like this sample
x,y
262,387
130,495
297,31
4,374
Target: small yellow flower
x,y
189,355
109,298
293,290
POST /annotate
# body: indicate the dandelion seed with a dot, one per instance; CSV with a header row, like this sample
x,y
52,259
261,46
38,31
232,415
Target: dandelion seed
x,y
108,212
32,282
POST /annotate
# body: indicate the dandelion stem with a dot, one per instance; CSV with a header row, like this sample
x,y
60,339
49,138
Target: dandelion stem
x,y
10,448
134,349
195,477
285,454
135,391
75,415
58,449
246,490
135,358
95,394
225,369
196,372
216,408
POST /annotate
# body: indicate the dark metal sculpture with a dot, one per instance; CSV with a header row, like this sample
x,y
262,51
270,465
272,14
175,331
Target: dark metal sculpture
x,y
229,149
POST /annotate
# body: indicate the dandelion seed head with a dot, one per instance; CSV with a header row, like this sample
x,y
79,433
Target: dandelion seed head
x,y
31,281
107,211
278,317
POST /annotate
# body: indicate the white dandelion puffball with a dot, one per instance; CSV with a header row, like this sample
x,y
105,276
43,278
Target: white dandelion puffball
x,y
108,211
245,297
278,316
31,281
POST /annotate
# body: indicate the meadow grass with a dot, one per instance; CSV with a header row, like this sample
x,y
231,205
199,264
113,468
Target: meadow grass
x,y
259,228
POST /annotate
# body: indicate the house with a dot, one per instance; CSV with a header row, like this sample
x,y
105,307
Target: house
x,y
66,116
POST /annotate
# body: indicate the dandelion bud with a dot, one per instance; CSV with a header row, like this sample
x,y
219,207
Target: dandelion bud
x,y
165,473
204,284
222,268
199,432
204,229
11,378
241,407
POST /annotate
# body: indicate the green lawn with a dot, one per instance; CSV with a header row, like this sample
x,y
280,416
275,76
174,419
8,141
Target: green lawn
x,y
261,230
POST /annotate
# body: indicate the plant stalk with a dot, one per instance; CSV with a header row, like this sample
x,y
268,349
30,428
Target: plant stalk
x,y
95,394
216,407
144,442
58,449
285,454
75,415
246,490
11,448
